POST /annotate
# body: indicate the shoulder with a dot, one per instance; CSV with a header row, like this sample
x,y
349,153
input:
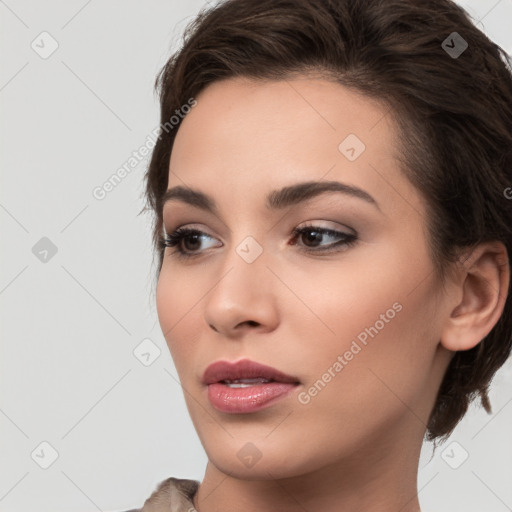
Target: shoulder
x,y
171,495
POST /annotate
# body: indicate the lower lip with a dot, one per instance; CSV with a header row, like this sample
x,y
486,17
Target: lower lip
x,y
248,399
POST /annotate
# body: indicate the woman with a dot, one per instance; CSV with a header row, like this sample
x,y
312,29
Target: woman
x,y
333,229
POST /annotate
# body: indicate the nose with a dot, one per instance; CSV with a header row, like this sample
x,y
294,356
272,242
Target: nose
x,y
243,299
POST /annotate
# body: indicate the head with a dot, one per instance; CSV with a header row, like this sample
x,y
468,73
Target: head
x,y
407,318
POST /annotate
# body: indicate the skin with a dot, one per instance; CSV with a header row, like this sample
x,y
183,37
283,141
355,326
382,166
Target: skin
x,y
355,445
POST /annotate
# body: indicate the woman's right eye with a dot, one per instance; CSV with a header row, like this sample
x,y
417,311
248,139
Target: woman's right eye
x,y
190,237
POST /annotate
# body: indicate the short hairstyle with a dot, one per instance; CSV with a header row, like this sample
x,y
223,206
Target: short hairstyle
x,y
453,111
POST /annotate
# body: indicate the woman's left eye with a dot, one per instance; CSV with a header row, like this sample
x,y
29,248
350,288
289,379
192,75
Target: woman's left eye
x,y
316,234
313,235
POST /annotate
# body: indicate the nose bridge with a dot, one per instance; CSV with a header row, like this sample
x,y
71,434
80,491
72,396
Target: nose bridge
x,y
244,268
244,290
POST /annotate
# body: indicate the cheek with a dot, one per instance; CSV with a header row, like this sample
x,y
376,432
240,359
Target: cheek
x,y
377,314
178,303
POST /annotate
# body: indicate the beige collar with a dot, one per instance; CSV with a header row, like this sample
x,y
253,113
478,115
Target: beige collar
x,y
172,495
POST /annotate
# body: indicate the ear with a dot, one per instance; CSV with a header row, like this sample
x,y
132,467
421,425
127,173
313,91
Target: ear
x,y
481,296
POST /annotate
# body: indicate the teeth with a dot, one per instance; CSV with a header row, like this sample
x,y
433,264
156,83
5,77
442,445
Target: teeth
x,y
239,385
244,383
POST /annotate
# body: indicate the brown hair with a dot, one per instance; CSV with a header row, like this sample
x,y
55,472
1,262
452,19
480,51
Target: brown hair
x,y
454,113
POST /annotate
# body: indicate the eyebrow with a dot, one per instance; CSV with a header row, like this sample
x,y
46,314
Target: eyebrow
x,y
275,200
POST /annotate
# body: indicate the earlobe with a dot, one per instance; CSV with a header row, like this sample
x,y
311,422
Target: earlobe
x,y
482,296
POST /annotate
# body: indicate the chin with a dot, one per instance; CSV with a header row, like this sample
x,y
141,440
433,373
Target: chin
x,y
258,455
268,467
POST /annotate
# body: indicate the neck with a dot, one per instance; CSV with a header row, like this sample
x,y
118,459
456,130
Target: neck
x,y
375,479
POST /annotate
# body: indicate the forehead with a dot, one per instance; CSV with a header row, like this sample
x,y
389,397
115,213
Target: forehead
x,y
246,137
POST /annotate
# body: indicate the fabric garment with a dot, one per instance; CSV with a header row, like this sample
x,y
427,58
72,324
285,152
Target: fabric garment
x,y
171,495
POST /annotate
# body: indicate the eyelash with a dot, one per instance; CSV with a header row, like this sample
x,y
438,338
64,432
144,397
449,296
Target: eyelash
x,y
174,239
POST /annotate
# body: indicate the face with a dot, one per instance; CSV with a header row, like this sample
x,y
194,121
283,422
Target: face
x,y
334,288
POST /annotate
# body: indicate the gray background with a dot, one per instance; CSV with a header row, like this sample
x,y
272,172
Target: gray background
x,y
72,320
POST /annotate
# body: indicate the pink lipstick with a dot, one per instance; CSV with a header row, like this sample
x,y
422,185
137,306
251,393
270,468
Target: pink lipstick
x,y
245,386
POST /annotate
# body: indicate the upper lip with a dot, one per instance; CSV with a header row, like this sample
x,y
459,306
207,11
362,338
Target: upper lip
x,y
244,369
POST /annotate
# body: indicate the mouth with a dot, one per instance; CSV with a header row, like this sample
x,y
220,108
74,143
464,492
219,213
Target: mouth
x,y
245,383
246,386
244,372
